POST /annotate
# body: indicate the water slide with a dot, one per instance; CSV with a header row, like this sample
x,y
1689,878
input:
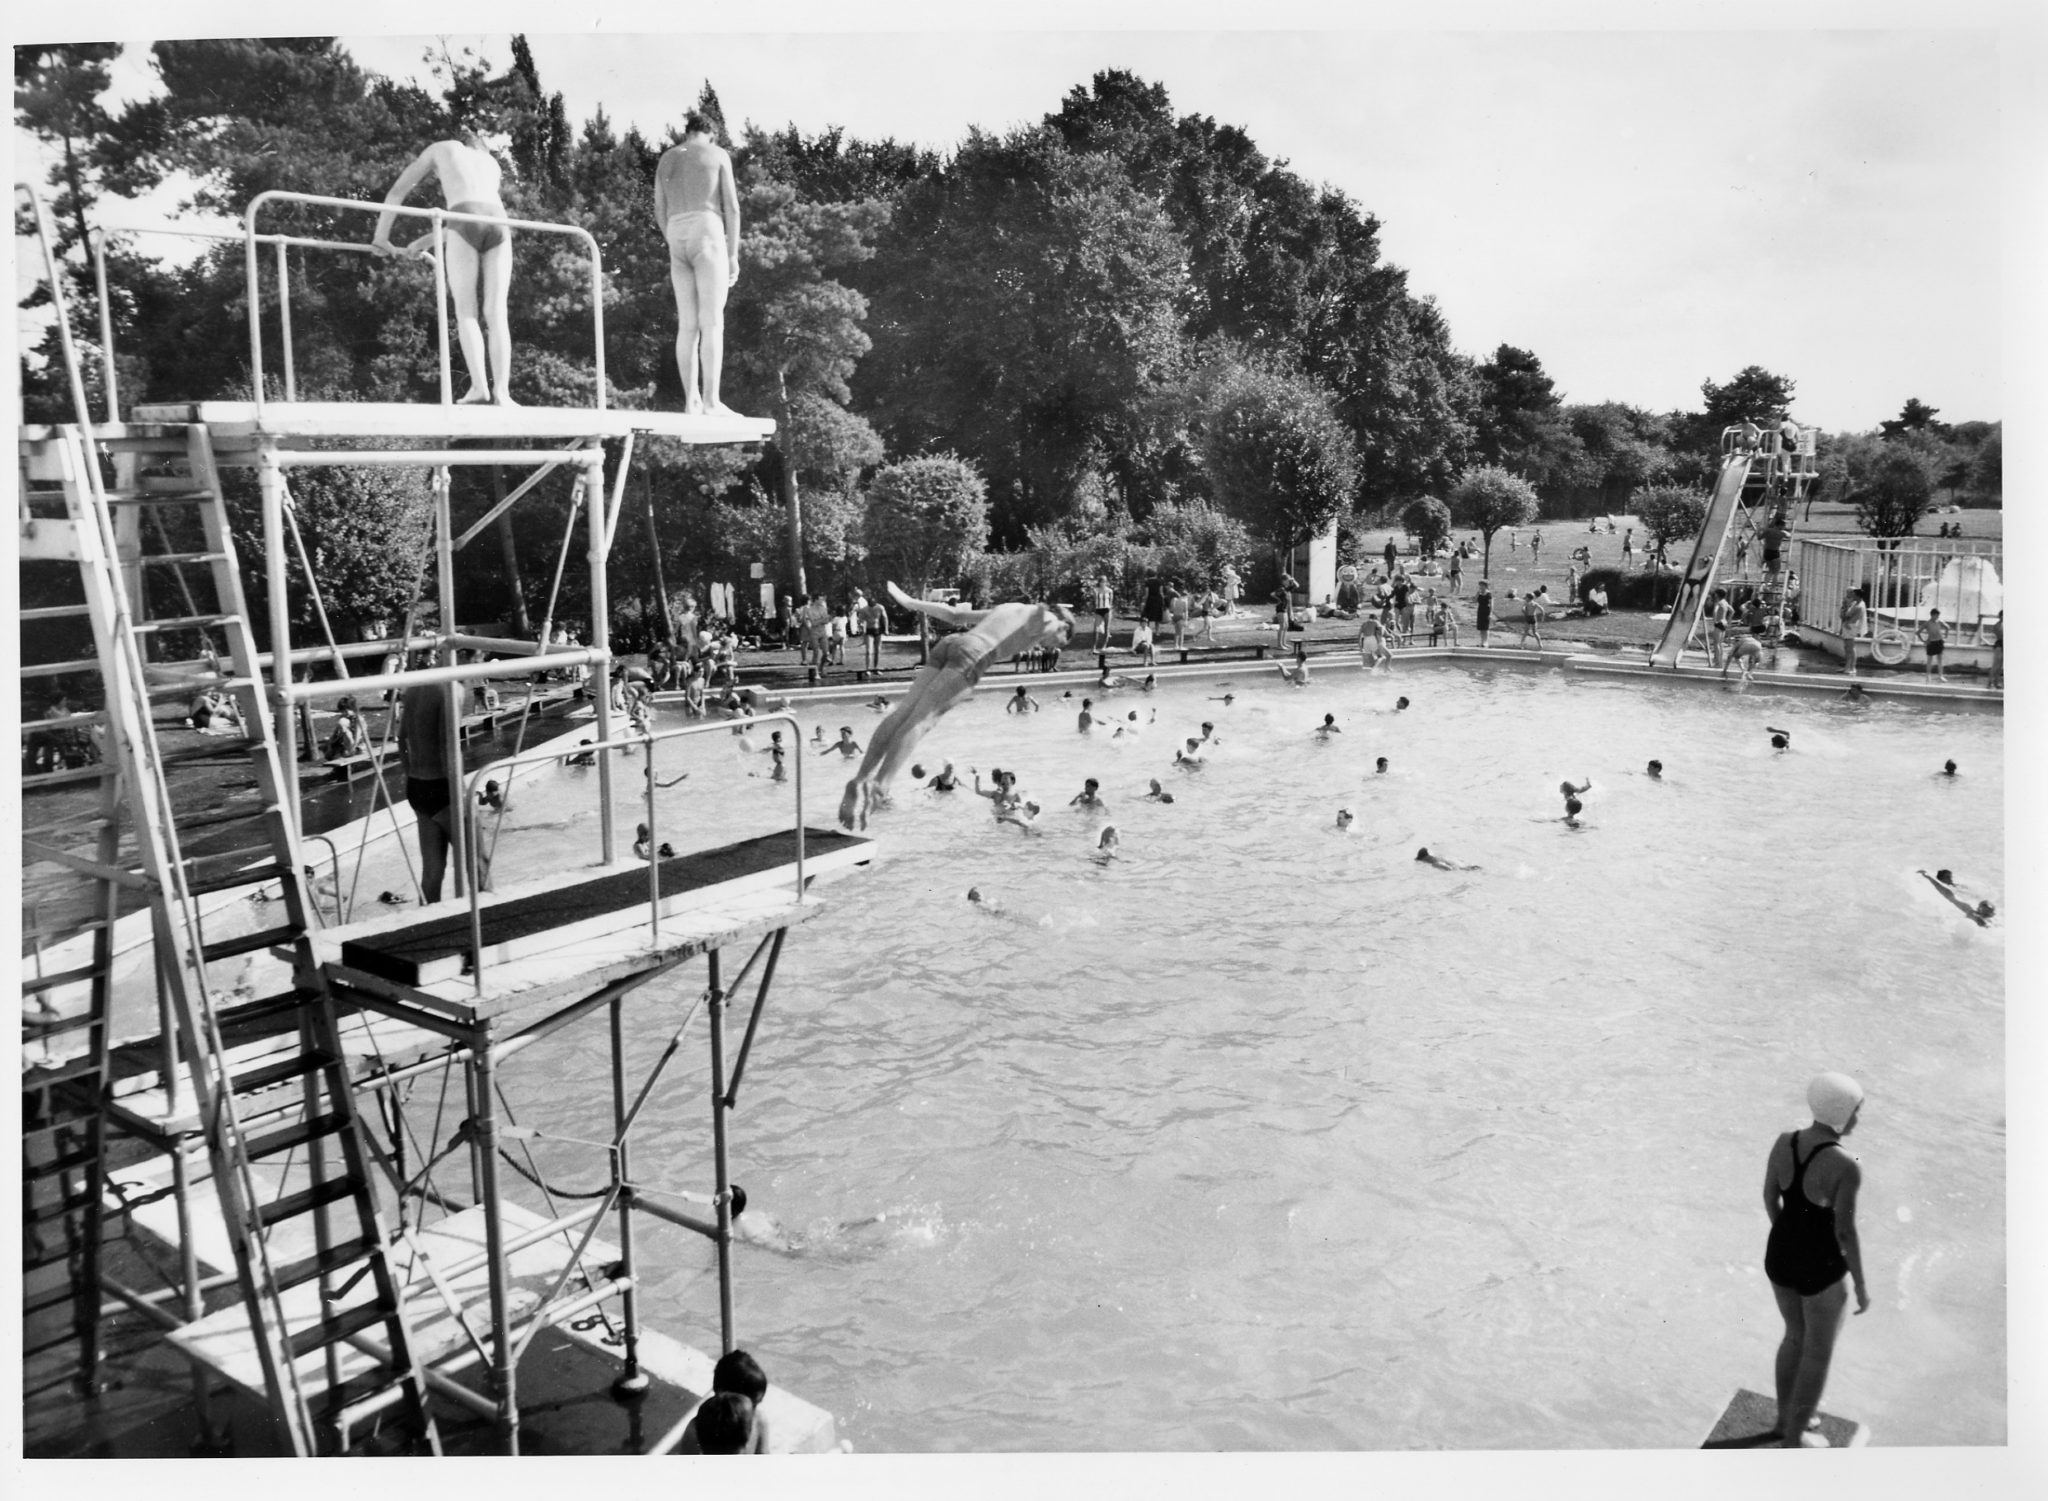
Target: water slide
x,y
1699,569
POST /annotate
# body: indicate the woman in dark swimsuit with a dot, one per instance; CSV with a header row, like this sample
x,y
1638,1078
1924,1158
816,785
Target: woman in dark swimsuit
x,y
1810,1187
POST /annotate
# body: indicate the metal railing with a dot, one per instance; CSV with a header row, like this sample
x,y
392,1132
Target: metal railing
x,y
96,239
1962,576
473,782
440,219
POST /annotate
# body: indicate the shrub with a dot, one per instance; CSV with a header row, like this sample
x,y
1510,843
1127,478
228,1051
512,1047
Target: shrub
x,y
1632,588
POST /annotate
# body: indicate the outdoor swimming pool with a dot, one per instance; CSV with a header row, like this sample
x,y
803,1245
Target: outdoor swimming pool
x,y
1266,1137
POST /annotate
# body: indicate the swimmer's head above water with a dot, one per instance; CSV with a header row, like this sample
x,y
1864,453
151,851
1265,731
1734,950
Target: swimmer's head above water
x,y
1948,768
1379,766
1656,768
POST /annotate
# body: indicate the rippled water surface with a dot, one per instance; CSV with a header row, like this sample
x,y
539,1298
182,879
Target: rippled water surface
x,y
1265,1137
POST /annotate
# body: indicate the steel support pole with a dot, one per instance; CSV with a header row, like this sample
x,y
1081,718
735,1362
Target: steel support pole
x,y
484,1131
632,1381
601,639
715,1016
277,574
192,1284
444,568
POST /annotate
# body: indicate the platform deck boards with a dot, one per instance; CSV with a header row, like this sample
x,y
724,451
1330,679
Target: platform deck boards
x,y
1750,1421
222,1338
422,950
236,423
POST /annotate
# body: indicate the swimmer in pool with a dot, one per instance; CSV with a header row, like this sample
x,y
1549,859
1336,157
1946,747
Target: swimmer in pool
x,y
879,704
1328,727
1106,846
1944,881
1567,791
945,781
1090,796
1107,681
1003,793
957,664
1654,771
492,797
1373,655
1085,721
846,745
1158,794
1572,809
1024,817
1400,704
1379,767
1149,684
1439,861
581,757
1209,733
1948,768
642,843
1190,755
1226,700
1295,672
1344,820
1780,739
1021,702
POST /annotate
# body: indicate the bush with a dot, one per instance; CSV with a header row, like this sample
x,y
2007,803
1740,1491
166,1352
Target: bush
x,y
1428,521
1633,588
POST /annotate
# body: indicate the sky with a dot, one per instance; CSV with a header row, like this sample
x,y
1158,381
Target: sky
x,y
1644,209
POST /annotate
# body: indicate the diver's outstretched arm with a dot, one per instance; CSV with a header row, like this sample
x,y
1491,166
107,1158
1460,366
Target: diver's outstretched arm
x,y
952,615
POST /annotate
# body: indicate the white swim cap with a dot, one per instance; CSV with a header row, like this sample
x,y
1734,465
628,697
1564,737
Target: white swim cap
x,y
1833,1098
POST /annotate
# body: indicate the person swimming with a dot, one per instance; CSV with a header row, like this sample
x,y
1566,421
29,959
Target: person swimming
x,y
581,757
1654,771
1379,767
1328,727
1086,720
1090,796
1150,683
1948,768
1191,754
1024,816
1439,861
1021,702
1226,700
945,781
1158,794
1780,739
1106,846
1400,704
1344,820
1295,672
1944,881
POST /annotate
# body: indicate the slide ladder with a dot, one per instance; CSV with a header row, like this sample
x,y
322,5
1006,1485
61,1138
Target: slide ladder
x,y
297,1341
1743,479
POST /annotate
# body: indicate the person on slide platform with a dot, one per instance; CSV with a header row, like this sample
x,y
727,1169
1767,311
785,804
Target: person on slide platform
x,y
957,664
1810,1187
479,255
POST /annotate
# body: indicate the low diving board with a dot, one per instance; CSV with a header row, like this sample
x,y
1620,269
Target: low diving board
x,y
1750,1421
238,424
541,917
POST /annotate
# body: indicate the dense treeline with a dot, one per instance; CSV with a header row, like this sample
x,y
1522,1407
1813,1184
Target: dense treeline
x,y
1146,339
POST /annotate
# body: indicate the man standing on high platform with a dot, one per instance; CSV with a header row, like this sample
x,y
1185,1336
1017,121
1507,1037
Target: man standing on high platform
x,y
699,212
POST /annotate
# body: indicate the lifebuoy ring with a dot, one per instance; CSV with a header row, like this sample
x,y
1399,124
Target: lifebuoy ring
x,y
1891,646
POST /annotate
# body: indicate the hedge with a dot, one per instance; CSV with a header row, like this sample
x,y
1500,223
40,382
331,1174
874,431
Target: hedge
x,y
1633,588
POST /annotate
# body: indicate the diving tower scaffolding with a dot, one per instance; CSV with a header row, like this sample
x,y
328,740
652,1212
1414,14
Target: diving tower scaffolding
x,y
1763,471
272,1066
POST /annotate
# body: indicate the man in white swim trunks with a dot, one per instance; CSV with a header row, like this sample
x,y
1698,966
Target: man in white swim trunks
x,y
699,212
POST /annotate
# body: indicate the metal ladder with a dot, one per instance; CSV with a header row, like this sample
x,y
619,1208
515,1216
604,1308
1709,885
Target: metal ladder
x,y
299,1348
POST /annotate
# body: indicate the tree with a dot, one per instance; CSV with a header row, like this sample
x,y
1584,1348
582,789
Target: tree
x,y
1987,470
1195,542
1428,521
1895,495
1487,498
1754,395
927,517
1519,423
796,335
57,93
1916,417
1277,457
1669,513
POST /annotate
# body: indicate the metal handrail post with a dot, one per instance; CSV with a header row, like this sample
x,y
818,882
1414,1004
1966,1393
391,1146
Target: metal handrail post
x,y
597,324
441,307
96,239
714,1012
653,856
504,1362
632,1380
255,309
284,321
444,567
277,577
601,640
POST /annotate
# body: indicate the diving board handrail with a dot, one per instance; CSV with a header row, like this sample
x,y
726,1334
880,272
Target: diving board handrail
x,y
472,782
439,219
96,239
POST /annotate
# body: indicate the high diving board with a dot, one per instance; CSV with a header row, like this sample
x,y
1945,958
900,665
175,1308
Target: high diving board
x,y
544,937
238,423
1750,1421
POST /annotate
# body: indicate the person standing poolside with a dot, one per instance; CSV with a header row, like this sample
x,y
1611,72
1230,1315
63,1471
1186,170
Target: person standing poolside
x,y
1103,597
1532,618
479,269
1482,607
1810,1188
957,664
1933,634
423,749
1457,568
1372,644
698,209
1720,615
1855,622
1178,607
874,621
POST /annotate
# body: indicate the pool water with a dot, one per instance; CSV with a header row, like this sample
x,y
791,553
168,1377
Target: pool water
x,y
1262,1136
